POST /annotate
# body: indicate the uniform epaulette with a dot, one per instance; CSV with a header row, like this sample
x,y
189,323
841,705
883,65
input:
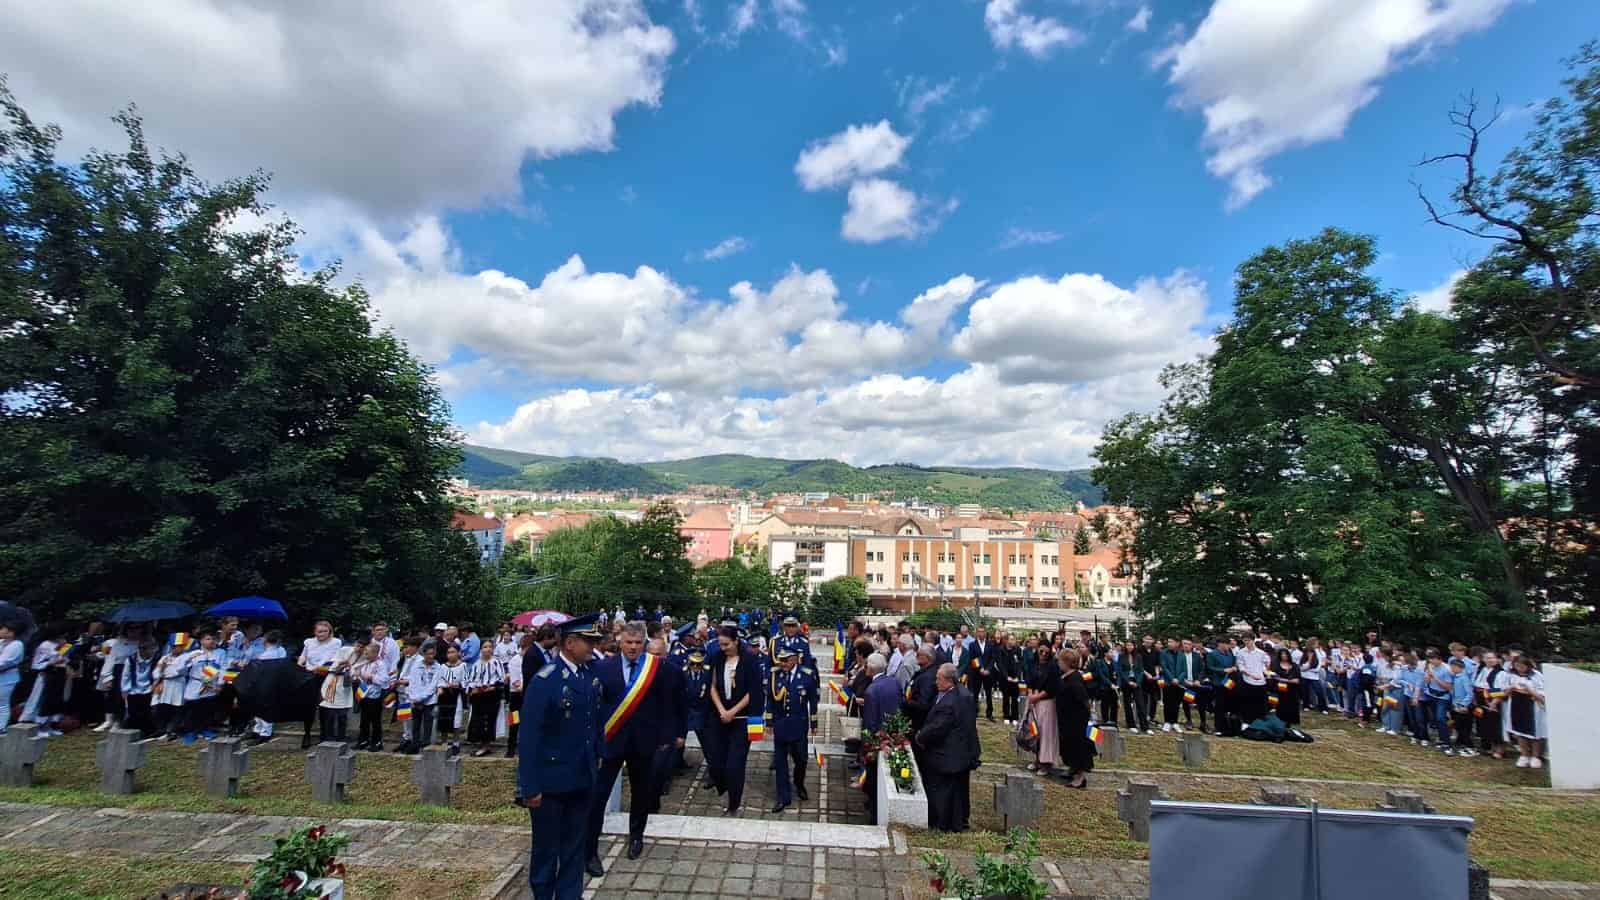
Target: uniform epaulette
x,y
545,672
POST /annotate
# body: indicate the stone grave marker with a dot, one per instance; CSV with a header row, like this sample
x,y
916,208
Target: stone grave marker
x,y
1194,749
223,763
435,772
1133,807
1405,802
330,766
21,748
1113,746
1477,880
119,757
1278,796
1019,800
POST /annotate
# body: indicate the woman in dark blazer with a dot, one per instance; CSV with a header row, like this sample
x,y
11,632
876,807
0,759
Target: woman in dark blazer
x,y
737,699
1072,721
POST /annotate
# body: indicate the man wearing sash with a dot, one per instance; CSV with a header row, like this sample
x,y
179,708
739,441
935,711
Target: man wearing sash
x,y
638,709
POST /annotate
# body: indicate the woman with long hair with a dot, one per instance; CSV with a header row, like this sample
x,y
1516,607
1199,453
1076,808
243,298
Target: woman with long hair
x,y
737,699
1284,677
1525,716
1042,689
1073,721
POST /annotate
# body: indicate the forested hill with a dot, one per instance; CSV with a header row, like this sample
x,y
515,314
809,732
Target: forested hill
x,y
1009,488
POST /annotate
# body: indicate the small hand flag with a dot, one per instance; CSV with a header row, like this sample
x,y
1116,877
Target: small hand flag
x,y
403,712
1188,696
1093,733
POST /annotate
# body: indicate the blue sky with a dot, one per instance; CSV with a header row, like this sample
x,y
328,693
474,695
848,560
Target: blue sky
x,y
953,231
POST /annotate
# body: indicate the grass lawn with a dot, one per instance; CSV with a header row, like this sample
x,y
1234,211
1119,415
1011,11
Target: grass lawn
x,y
275,785
62,876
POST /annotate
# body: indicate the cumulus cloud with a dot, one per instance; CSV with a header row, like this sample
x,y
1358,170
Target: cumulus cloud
x,y
1270,76
639,327
1038,36
360,101
855,152
971,417
880,210
1437,298
722,249
1083,327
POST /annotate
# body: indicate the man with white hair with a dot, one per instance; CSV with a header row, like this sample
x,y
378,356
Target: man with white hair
x,y
921,692
883,695
907,653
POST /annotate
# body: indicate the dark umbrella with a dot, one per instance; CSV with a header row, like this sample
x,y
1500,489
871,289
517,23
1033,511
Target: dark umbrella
x,y
250,608
150,611
18,619
278,690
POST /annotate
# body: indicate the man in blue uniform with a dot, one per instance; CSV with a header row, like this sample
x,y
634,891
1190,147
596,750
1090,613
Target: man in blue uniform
x,y
793,640
557,760
792,697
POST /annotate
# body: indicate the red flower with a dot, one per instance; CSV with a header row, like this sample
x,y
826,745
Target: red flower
x,y
336,870
938,884
317,833
290,883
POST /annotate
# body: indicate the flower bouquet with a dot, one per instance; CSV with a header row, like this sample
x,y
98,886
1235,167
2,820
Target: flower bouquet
x,y
302,866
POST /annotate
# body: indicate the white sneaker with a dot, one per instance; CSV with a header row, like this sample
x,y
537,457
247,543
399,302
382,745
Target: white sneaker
x,y
103,726
1178,728
1534,762
1166,727
1522,762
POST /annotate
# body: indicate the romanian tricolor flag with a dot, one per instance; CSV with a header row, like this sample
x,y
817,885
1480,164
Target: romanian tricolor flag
x,y
1093,733
861,780
64,648
361,694
210,671
1228,684
1497,695
843,693
838,648
1283,687
230,676
1390,701
1088,677
1188,696
1272,702
403,711
1477,712
390,699
817,755
1033,729
514,717
755,727
180,640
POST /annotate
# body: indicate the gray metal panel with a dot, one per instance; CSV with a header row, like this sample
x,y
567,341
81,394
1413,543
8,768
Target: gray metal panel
x,y
1202,850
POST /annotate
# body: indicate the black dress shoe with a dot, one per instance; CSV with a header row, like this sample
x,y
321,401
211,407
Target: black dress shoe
x,y
635,847
779,807
800,791
594,868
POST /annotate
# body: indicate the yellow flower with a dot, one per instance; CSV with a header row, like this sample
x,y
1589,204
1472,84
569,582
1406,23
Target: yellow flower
x,y
905,772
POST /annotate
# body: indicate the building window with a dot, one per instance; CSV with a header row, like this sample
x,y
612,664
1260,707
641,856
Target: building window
x,y
905,556
916,557
905,578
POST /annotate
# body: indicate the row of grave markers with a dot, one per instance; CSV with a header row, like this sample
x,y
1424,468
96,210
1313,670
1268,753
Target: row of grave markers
x,y
224,762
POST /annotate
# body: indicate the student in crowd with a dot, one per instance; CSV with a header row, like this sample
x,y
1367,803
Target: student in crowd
x,y
202,674
1313,666
1042,692
338,691
1250,694
422,696
1284,687
1073,721
452,697
1007,671
484,683
1461,706
1489,695
10,671
373,679
1101,678
168,705
1129,676
271,648
1525,720
137,686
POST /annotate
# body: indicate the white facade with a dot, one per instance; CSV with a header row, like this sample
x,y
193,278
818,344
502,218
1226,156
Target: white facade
x,y
820,558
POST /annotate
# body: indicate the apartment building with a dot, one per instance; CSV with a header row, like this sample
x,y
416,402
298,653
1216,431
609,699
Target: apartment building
x,y
969,563
820,557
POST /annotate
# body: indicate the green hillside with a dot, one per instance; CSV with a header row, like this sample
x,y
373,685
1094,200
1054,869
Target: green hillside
x,y
1006,488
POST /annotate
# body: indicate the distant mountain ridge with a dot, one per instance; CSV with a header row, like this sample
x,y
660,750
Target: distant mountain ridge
x,y
1006,488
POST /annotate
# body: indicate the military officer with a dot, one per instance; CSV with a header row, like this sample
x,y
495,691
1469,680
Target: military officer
x,y
558,757
792,697
792,639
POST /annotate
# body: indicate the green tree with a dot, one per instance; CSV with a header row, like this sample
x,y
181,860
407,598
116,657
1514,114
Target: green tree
x,y
183,415
790,589
734,583
837,600
610,561
1080,541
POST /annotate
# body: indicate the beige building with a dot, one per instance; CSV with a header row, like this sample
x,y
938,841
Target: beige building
x,y
970,566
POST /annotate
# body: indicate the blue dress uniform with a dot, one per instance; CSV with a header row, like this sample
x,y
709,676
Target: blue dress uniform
x,y
792,697
796,642
558,757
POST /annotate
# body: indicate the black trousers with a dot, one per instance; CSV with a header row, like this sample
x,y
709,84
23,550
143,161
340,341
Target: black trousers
x,y
485,708
1010,703
372,720
727,753
983,685
1133,706
513,703
949,800
199,714
333,724
641,799
1249,702
138,714
1108,706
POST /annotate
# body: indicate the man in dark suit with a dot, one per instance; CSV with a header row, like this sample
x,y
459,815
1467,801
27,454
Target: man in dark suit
x,y
982,682
950,751
921,693
883,695
638,713
541,654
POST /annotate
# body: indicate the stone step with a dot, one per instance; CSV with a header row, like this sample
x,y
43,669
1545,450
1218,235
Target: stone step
x,y
755,831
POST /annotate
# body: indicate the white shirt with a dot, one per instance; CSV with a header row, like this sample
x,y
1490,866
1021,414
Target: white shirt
x,y
728,671
1311,666
1252,664
318,654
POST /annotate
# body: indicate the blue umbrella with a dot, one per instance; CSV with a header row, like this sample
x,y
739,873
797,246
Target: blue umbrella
x,y
19,619
150,611
251,607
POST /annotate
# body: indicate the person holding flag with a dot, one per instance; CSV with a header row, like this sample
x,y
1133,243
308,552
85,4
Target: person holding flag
x,y
202,670
792,696
638,709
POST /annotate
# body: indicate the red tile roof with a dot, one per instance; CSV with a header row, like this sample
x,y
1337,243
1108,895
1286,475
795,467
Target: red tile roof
x,y
471,522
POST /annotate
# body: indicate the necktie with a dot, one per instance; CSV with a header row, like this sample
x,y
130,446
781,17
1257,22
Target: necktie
x,y
633,669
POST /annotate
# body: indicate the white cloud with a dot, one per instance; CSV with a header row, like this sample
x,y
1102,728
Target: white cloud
x,y
1270,76
722,250
1437,298
1083,327
880,210
917,95
632,328
971,417
855,152
1140,21
382,107
1009,27
1028,237
965,124
741,18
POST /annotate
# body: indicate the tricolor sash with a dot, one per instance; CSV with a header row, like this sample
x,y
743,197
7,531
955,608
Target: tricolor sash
x,y
648,666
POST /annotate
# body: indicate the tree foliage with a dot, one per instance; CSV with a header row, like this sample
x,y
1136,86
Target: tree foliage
x,y
838,600
610,561
183,414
